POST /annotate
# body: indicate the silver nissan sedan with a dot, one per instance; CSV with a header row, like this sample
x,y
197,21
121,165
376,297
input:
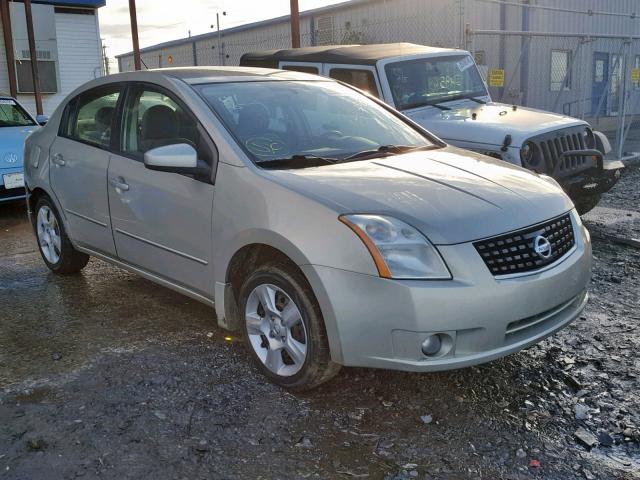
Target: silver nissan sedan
x,y
326,226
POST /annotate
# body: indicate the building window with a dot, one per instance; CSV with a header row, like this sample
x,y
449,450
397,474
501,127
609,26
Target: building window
x,y
46,74
560,70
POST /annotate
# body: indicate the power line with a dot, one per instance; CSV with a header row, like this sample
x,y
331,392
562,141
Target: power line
x,y
589,12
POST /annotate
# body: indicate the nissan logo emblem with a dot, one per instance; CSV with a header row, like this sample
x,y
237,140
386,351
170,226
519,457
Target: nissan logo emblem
x,y
542,247
11,157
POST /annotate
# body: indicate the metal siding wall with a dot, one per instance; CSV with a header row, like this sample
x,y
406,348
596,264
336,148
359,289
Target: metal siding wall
x,y
4,76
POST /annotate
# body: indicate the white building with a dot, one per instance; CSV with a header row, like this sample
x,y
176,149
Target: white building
x,y
572,56
69,51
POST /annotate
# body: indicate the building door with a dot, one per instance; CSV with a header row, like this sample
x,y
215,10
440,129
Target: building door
x,y
615,85
599,83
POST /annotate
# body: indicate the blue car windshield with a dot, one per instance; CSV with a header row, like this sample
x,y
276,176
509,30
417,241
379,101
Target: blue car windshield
x,y
13,115
308,121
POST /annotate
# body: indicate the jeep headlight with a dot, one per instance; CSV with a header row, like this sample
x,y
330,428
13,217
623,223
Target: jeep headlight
x,y
526,153
398,250
588,138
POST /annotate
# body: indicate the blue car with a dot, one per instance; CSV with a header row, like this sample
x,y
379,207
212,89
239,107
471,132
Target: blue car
x,y
15,125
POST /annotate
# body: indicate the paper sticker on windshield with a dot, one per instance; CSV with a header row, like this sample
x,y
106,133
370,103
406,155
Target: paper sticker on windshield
x,y
7,102
465,63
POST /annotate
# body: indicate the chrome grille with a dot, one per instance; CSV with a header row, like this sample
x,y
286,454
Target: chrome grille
x,y
515,252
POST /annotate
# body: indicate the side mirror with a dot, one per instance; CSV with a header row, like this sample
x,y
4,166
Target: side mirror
x,y
180,155
42,120
179,158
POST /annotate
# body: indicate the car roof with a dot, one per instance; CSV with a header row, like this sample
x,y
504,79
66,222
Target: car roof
x,y
342,54
195,75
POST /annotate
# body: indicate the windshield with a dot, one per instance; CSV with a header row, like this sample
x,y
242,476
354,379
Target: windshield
x,y
13,115
429,81
276,120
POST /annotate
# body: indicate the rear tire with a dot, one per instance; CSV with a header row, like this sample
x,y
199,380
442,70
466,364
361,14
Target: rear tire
x,y
55,247
587,203
283,327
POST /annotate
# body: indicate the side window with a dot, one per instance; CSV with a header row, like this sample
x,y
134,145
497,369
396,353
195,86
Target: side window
x,y
94,118
153,119
301,68
362,79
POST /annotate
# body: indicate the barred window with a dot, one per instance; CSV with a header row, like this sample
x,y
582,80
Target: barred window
x,y
560,70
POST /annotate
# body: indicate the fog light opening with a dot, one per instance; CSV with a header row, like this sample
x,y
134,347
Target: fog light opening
x,y
432,345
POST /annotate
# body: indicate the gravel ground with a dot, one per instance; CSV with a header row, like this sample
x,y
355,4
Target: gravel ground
x,y
105,375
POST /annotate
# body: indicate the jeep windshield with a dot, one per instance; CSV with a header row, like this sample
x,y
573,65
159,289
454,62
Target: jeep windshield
x,y
298,124
432,81
13,115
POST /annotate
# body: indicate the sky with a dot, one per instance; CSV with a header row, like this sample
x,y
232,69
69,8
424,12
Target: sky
x,y
164,20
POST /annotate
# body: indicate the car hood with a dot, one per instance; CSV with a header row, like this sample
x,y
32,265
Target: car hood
x,y
492,123
450,194
12,145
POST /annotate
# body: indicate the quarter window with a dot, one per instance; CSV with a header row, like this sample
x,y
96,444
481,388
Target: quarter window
x,y
95,117
362,79
560,70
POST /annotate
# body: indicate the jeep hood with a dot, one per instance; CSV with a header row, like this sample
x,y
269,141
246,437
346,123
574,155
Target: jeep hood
x,y
12,145
451,195
492,123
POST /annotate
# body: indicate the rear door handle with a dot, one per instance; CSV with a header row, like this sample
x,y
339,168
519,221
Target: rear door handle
x,y
119,184
58,160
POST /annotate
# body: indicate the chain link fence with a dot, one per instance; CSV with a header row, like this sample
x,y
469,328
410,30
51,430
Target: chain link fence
x,y
593,74
595,78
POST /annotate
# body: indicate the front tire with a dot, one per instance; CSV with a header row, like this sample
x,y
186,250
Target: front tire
x,y
284,329
55,247
587,203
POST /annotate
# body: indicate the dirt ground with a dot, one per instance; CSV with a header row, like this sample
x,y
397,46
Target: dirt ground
x,y
106,375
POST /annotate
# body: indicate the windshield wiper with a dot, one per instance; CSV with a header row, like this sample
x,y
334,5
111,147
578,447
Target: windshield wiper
x,y
297,161
470,97
384,151
424,104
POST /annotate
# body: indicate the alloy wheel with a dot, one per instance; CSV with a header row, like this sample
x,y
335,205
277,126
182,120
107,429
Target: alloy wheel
x,y
276,330
49,237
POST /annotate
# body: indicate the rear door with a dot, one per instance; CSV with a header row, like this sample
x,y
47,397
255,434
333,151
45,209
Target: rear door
x,y
161,221
79,162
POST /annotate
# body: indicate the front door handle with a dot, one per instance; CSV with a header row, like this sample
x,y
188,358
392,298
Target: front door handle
x,y
119,184
58,160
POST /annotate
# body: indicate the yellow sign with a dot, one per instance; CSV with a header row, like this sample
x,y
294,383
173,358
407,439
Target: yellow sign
x,y
496,77
635,75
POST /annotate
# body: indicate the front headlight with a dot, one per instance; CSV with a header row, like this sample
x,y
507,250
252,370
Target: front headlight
x,y
589,138
526,153
398,250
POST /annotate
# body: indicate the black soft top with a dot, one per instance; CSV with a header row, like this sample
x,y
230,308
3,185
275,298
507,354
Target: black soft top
x,y
341,54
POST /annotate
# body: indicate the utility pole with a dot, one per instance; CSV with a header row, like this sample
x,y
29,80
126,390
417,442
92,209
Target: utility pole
x,y
295,24
33,55
134,35
220,53
105,59
8,47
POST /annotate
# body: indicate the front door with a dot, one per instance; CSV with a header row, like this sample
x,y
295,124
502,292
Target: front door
x,y
79,163
600,77
161,221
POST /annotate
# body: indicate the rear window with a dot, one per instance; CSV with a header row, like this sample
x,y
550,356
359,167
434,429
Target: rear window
x,y
301,69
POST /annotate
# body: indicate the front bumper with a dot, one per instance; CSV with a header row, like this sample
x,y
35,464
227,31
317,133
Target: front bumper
x,y
594,181
375,322
7,195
